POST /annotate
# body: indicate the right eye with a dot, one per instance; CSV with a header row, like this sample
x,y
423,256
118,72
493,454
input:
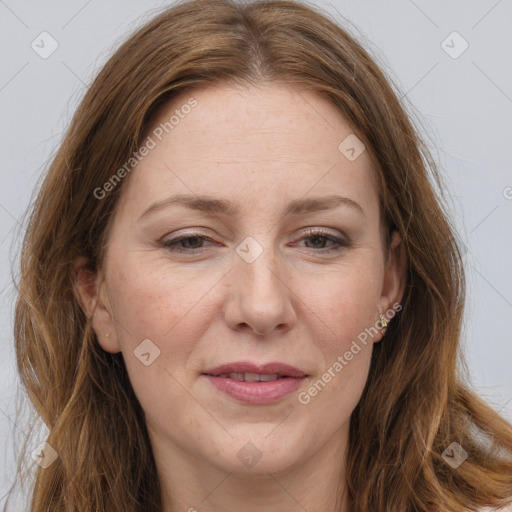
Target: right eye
x,y
177,244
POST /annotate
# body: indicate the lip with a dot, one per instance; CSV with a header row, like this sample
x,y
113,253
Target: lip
x,y
248,367
256,393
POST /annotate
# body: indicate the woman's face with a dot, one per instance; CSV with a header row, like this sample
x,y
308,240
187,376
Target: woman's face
x,y
247,283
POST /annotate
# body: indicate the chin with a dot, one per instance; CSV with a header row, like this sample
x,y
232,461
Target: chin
x,y
256,453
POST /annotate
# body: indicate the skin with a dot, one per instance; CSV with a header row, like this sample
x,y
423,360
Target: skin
x,y
294,303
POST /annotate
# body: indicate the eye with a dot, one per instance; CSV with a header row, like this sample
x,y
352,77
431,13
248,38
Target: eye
x,y
181,243
319,236
193,242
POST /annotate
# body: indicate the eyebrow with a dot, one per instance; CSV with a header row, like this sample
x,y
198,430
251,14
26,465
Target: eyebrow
x,y
209,204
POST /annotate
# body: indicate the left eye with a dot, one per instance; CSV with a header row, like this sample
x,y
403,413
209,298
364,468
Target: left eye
x,y
339,244
182,243
172,243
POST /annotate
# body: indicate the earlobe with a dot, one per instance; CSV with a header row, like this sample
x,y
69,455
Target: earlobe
x,y
87,291
381,326
108,342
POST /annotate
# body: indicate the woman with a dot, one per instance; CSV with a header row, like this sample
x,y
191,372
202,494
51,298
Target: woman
x,y
255,370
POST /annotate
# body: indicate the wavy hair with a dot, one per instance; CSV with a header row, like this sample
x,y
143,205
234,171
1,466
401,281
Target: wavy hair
x,y
416,401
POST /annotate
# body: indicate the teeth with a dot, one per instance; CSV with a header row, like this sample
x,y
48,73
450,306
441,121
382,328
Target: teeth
x,y
251,377
266,378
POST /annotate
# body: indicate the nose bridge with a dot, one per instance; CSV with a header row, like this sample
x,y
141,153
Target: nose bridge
x,y
257,265
261,296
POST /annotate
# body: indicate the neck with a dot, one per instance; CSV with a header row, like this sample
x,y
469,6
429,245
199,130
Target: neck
x,y
316,482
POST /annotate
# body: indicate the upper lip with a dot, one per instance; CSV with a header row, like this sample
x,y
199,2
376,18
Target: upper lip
x,y
263,369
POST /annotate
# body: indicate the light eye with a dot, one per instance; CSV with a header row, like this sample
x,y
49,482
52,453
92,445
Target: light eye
x,y
176,244
339,244
173,244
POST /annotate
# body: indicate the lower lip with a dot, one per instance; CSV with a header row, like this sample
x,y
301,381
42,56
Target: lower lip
x,y
257,392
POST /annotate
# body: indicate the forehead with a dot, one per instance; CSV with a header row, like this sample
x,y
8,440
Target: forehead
x,y
237,121
271,141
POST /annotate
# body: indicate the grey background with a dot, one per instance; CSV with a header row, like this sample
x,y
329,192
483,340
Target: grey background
x,y
465,105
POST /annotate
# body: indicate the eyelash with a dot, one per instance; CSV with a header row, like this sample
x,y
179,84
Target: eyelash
x,y
171,244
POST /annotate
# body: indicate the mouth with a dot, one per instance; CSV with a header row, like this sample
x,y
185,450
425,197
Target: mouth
x,y
250,372
251,377
256,384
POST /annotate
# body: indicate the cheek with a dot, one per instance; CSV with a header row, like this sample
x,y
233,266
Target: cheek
x,y
347,305
352,303
334,393
153,304
150,314
156,337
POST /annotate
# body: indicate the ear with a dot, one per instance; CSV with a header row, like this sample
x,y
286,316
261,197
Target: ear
x,y
393,285
87,284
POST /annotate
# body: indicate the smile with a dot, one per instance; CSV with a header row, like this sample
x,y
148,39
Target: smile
x,y
255,383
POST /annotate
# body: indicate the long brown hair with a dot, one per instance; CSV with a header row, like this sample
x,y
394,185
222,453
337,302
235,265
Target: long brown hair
x,y
415,403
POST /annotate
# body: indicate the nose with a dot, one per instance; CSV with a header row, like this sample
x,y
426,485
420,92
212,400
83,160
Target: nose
x,y
261,297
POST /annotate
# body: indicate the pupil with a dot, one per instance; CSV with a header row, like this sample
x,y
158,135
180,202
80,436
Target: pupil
x,y
196,238
316,237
